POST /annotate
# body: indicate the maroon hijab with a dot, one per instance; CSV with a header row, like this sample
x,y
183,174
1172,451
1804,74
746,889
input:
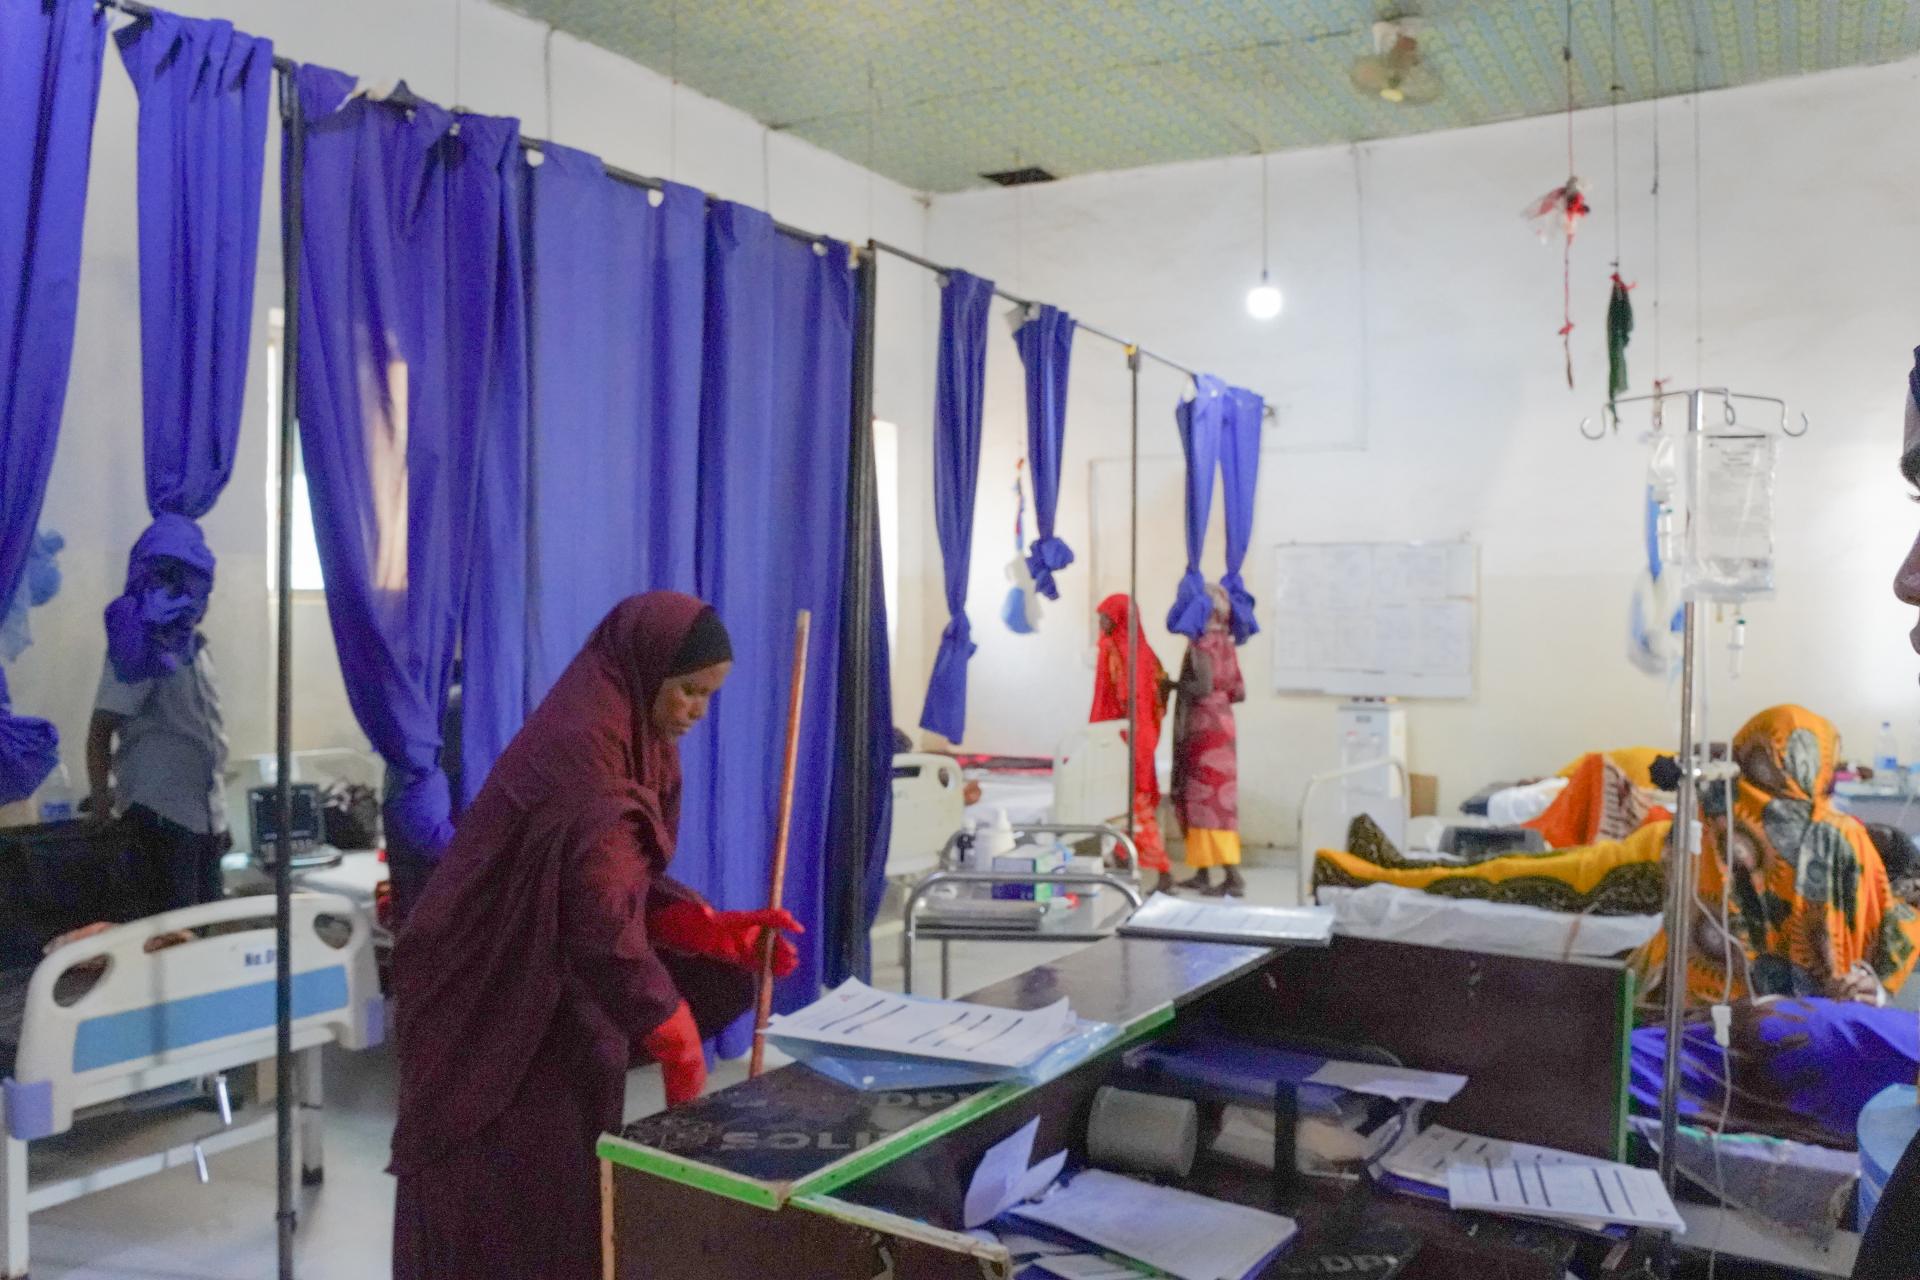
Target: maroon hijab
x,y
479,966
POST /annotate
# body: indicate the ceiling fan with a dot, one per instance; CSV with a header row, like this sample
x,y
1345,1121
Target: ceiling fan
x,y
1396,71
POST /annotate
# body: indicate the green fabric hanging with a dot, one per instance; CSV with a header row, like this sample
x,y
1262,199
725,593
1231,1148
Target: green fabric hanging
x,y
1619,331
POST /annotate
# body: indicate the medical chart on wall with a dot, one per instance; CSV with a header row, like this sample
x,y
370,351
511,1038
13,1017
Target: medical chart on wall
x,y
1374,619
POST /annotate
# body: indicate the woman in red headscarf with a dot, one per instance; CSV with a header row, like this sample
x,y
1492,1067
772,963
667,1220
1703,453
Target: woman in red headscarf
x,y
1149,684
550,951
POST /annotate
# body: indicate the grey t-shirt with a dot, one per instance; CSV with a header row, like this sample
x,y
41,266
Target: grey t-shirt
x,y
171,756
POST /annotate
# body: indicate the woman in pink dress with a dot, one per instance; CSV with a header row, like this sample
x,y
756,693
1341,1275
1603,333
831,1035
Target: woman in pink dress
x,y
1206,771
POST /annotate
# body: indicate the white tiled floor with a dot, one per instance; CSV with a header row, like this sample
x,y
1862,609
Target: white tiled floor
x,y
170,1227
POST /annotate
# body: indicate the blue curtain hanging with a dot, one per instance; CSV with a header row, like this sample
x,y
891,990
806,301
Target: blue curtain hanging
x,y
1202,421
1240,478
957,407
204,90
616,288
773,438
1046,349
50,58
412,357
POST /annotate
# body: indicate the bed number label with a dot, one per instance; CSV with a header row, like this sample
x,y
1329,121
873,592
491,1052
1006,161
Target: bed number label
x,y
259,959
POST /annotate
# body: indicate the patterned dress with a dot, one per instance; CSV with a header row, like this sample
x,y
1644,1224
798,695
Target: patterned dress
x,y
1206,772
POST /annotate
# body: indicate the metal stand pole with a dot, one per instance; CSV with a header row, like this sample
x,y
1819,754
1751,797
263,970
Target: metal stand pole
x,y
290,248
1133,588
1682,848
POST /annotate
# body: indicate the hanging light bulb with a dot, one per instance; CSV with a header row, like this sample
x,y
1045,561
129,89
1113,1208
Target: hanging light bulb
x,y
1263,300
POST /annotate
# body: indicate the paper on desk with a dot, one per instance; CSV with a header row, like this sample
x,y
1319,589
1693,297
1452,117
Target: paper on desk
x,y
857,1016
1397,1083
1603,1192
1167,916
1185,1235
1002,1178
1426,1156
1087,1266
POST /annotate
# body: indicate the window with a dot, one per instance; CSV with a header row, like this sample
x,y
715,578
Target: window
x,y
886,482
307,575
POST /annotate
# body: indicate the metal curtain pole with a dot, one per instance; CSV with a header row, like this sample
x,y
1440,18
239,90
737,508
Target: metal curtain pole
x,y
857,656
291,240
1133,584
1681,870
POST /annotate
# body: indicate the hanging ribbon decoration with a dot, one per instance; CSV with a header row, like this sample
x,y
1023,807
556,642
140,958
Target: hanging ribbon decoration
x,y
1619,331
1619,305
1563,207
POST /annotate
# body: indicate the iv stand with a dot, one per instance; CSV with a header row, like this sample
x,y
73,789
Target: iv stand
x,y
1683,848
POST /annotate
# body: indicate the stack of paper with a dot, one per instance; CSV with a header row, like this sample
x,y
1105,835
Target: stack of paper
x,y
1426,1156
1006,1176
1187,1236
1601,1192
855,1016
1165,916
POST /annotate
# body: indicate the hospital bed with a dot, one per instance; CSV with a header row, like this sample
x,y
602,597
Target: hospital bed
x,y
103,1021
1087,784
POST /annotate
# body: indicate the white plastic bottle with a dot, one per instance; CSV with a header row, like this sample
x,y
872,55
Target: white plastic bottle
x,y
1886,751
56,798
999,841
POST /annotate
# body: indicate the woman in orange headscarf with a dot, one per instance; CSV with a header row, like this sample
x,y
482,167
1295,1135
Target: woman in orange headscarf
x,y
1149,684
1809,908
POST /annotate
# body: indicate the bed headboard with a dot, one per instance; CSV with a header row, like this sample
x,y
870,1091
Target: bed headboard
x,y
929,803
1093,774
156,1017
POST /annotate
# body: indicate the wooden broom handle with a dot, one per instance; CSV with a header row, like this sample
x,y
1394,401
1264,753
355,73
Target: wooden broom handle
x,y
796,696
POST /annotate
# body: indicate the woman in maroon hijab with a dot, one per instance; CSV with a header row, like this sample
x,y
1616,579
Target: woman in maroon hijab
x,y
550,951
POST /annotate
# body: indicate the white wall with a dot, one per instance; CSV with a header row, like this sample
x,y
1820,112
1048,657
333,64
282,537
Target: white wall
x,y
1453,415
631,116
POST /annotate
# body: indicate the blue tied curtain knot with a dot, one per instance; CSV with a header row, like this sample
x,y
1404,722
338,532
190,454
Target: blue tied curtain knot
x,y
420,814
1049,556
153,626
29,750
1243,623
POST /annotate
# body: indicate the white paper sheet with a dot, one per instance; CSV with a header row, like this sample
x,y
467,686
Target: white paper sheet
x,y
1003,1179
1087,1266
1390,1082
1164,915
1602,1192
856,1015
1186,1235
1428,1154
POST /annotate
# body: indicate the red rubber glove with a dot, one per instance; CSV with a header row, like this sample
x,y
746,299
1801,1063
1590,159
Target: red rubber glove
x,y
675,1045
729,936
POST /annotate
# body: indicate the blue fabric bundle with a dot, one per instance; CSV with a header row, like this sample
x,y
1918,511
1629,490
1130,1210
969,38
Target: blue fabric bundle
x,y
153,627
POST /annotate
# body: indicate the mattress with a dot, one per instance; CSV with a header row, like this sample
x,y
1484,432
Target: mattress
x,y
1407,915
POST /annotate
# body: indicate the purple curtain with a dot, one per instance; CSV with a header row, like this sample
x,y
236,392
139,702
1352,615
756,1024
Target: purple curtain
x,y
1240,477
775,410
957,405
615,291
1046,349
1202,422
50,56
412,359
204,90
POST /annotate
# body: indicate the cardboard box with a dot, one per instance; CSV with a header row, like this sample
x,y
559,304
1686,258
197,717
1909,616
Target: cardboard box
x,y
1029,861
1425,800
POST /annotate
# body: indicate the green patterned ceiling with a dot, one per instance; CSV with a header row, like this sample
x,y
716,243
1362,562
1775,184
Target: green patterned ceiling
x,y
934,93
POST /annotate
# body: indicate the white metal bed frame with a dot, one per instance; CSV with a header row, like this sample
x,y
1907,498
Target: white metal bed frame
x,y
188,1011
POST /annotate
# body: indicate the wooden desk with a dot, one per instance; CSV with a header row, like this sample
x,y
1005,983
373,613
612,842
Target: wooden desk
x,y
793,1175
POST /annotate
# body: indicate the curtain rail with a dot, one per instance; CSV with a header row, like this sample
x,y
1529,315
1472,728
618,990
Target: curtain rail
x,y
1266,410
